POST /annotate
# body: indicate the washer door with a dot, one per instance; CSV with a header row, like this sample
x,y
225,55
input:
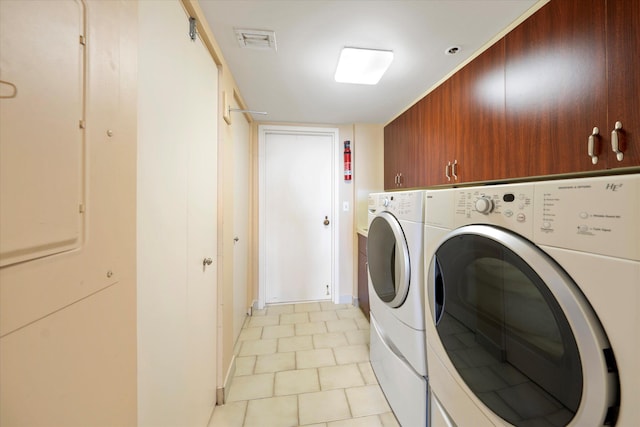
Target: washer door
x,y
388,258
519,332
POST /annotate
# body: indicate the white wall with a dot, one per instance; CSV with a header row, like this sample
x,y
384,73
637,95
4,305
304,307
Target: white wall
x,y
368,167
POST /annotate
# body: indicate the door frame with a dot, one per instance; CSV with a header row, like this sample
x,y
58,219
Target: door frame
x,y
263,131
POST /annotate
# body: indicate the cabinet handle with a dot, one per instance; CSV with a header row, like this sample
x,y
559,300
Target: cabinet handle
x,y
614,141
400,179
446,171
397,180
454,170
591,145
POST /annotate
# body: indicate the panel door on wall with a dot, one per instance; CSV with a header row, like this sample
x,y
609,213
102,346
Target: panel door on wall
x,y
556,89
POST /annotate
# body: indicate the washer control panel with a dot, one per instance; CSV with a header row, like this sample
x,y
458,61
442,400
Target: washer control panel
x,y
406,205
509,206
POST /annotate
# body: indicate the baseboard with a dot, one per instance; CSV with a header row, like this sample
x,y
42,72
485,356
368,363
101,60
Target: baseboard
x,y
345,299
222,393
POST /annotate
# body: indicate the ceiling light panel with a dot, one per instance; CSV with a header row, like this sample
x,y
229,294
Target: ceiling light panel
x,y
362,66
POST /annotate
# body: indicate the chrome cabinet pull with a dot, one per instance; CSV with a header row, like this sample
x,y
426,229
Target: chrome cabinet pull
x,y
400,179
446,171
615,145
454,170
591,145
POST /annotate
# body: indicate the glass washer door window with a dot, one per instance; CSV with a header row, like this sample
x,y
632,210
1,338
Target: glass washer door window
x,y
507,317
388,258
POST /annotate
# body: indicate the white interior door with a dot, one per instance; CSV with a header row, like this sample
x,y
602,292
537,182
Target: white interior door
x,y
240,221
297,218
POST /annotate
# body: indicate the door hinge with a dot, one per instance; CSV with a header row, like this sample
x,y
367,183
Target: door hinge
x,y
81,124
83,40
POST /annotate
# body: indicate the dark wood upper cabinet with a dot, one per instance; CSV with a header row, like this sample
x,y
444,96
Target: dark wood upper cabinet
x,y
477,120
544,100
403,151
623,60
556,88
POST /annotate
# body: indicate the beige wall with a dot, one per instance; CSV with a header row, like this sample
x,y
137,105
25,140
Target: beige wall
x,y
68,339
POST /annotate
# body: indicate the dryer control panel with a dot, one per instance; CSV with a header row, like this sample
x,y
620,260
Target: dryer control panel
x,y
599,215
509,206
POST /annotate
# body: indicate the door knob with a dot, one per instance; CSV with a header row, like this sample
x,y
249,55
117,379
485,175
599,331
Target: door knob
x,y
326,220
207,261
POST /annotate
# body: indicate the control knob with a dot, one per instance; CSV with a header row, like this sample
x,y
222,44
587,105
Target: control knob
x,y
484,205
386,202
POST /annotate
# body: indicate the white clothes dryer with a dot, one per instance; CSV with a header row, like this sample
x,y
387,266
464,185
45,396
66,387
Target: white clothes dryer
x,y
396,298
533,292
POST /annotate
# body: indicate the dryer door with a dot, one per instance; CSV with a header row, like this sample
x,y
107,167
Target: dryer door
x,y
519,332
388,258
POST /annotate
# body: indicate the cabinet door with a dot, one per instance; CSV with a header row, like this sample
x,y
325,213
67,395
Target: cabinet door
x,y
391,149
623,53
435,110
402,150
477,123
555,88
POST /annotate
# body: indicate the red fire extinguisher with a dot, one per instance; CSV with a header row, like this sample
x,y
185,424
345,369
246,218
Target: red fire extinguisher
x,y
347,160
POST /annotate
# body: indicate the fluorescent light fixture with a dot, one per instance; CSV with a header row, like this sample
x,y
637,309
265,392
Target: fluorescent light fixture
x,y
362,66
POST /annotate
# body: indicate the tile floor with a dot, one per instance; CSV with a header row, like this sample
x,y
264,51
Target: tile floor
x,y
304,365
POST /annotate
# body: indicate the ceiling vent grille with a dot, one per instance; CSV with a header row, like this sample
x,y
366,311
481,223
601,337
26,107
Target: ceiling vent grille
x,y
256,39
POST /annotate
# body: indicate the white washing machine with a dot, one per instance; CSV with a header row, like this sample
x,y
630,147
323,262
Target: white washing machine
x,y
396,298
533,299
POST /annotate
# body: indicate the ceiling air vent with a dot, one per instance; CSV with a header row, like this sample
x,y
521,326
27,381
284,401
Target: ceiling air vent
x,y
256,39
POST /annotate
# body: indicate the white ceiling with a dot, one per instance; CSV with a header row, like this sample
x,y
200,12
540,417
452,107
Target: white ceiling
x,y
295,83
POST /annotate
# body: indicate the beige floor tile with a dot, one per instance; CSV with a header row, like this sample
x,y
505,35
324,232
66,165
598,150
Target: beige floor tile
x,y
311,328
314,358
229,415
341,376
288,319
257,347
251,387
367,373
335,339
296,382
351,354
323,406
341,325
321,316
272,412
389,420
305,307
358,337
280,309
278,331
362,323
275,362
257,312
372,421
295,343
250,334
329,306
367,400
266,320
245,365
350,313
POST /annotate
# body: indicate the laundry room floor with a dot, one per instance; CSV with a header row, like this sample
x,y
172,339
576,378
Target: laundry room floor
x,y
304,365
